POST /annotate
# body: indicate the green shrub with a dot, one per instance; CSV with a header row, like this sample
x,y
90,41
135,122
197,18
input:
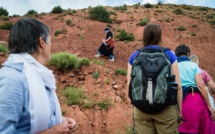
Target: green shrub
x,y
148,5
212,22
76,96
178,11
120,71
3,17
124,7
57,9
64,61
6,26
3,11
3,49
181,28
124,36
193,34
105,104
96,74
99,62
113,13
84,62
62,31
68,22
31,12
194,25
187,7
209,16
160,2
203,9
99,13
143,22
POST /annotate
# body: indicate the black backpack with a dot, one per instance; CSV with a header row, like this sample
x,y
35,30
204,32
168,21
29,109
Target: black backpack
x,y
152,85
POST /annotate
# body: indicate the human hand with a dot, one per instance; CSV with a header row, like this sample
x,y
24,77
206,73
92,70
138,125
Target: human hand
x,y
71,122
211,111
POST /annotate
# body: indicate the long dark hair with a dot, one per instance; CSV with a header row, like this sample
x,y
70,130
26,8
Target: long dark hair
x,y
152,34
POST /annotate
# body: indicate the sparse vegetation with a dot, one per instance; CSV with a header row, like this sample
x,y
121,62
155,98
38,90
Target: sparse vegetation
x,y
65,61
3,17
68,22
57,9
62,31
76,96
96,74
120,71
212,22
6,26
99,62
3,12
124,7
178,11
193,34
105,104
124,36
3,49
99,13
203,9
143,22
181,28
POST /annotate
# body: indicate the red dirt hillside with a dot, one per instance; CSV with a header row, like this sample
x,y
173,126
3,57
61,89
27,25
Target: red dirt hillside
x,y
84,36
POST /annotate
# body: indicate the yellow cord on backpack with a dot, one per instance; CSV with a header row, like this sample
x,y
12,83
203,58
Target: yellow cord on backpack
x,y
192,91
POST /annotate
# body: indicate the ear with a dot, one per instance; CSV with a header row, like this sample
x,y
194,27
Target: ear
x,y
41,42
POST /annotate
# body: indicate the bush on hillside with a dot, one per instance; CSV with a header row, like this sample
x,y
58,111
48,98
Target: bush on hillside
x,y
123,35
212,22
65,61
181,28
3,49
178,11
143,22
99,13
6,26
61,31
57,9
3,11
124,7
148,5
203,9
32,12
3,17
120,71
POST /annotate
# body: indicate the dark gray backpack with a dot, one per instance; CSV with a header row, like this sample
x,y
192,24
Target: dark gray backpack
x,y
152,85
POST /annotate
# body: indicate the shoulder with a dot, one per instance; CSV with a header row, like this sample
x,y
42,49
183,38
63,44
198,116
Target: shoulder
x,y
132,57
13,78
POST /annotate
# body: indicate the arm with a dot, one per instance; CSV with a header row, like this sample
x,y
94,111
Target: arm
x,y
201,86
177,79
211,85
128,76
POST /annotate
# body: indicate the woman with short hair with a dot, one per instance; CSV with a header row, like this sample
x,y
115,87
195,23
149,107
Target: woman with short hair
x,y
196,108
28,101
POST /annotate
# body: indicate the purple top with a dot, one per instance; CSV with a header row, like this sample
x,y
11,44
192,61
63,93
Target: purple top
x,y
171,55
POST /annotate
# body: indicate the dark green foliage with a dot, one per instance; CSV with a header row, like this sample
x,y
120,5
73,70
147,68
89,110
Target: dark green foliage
x,y
160,2
99,13
120,71
143,22
212,22
3,11
3,17
123,35
178,11
3,49
96,74
6,26
84,61
181,28
31,12
203,9
148,5
57,9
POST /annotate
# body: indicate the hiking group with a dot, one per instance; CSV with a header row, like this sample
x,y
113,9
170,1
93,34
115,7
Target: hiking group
x,y
167,90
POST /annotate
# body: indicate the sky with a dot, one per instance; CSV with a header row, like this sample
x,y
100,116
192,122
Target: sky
x,y
21,7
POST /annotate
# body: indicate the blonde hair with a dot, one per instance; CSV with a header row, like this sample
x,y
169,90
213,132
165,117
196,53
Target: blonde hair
x,y
194,58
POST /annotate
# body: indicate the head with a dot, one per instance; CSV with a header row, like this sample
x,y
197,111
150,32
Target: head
x,y
152,34
107,29
194,58
182,50
29,35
